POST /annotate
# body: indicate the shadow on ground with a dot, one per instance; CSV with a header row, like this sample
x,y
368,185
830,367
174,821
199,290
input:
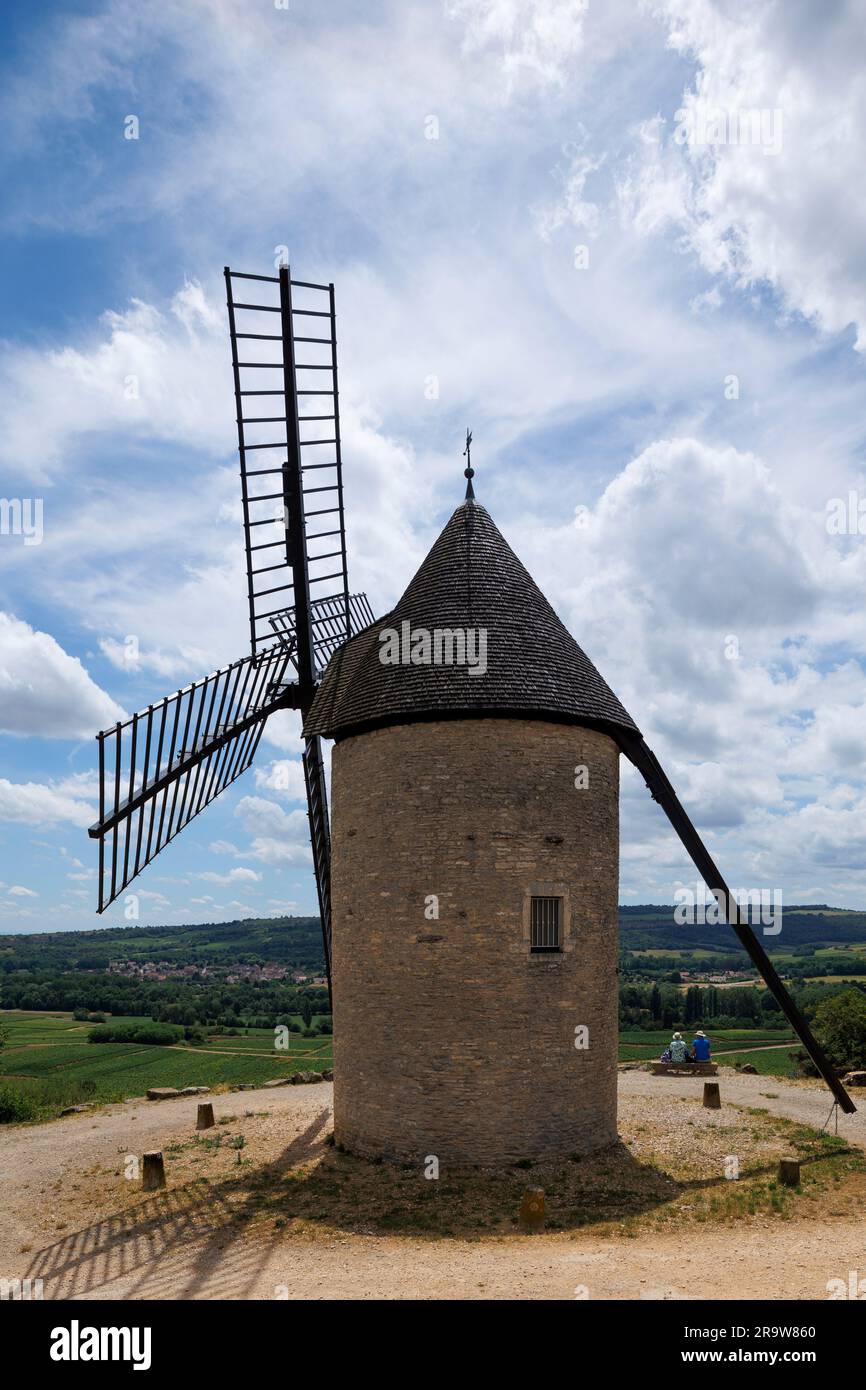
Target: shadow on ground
x,y
311,1187
148,1242
213,1237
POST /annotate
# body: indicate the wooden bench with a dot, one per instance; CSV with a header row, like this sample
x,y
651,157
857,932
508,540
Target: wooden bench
x,y
684,1068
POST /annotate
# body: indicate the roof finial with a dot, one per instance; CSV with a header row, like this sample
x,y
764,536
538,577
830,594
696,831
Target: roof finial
x,y
469,471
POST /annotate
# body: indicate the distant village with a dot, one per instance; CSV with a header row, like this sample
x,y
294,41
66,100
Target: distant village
x,y
166,970
722,979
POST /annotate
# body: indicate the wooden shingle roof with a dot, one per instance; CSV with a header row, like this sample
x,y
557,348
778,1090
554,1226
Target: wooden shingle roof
x,y
471,579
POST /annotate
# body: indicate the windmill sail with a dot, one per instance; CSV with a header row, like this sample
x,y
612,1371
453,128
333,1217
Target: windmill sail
x,y
284,361
158,769
662,791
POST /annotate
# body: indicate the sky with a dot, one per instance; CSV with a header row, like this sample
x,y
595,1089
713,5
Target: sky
x,y
624,242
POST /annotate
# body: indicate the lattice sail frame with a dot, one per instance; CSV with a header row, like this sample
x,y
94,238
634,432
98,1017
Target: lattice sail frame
x,y
327,624
160,768
293,510
165,764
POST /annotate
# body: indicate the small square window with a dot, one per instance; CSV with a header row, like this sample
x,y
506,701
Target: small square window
x,y
546,924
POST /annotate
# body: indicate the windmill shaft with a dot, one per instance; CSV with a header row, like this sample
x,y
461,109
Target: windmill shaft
x,y
662,791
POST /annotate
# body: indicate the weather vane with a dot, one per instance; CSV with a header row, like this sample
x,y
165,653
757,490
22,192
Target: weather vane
x,y
469,471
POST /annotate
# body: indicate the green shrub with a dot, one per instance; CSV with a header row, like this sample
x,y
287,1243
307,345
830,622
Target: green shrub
x,y
840,1023
146,1034
16,1106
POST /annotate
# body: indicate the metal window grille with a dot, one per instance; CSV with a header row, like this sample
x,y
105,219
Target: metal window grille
x,y
546,924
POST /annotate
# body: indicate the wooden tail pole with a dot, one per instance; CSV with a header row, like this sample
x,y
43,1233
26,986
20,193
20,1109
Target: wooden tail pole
x,y
653,774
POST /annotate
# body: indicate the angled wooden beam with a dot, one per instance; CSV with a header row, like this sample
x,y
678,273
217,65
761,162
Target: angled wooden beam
x,y
662,791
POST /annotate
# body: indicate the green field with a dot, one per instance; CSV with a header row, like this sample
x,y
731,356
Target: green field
x,y
49,1063
728,1037
776,1063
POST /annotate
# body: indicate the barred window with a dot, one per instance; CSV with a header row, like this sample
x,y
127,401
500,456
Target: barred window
x,y
546,924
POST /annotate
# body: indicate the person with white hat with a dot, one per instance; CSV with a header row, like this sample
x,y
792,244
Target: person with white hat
x,y
678,1050
701,1047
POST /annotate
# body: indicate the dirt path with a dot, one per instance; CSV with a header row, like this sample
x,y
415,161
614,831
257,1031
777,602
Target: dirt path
x,y
287,1056
165,1248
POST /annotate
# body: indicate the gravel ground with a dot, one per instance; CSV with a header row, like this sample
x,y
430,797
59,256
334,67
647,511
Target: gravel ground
x,y
808,1102
67,1216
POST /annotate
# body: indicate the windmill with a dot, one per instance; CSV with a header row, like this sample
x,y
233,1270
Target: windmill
x,y
440,772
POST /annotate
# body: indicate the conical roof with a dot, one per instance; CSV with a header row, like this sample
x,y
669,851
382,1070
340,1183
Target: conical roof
x,y
471,581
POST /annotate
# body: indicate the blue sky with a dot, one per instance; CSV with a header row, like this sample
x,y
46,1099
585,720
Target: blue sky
x,y
657,338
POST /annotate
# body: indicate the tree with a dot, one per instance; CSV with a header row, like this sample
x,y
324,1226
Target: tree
x,y
840,1024
694,1006
655,1002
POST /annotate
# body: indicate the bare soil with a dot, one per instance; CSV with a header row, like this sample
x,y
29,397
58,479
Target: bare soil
x,y
263,1206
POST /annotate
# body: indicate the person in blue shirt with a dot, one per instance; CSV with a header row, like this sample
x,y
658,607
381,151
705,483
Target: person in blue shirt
x,y
701,1047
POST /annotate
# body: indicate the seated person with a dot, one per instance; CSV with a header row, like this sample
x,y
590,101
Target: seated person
x,y
678,1050
701,1047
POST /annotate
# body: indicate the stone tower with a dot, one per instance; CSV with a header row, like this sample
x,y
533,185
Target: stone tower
x,y
475,846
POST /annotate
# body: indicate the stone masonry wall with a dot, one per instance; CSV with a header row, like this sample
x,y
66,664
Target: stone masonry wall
x,y
450,1038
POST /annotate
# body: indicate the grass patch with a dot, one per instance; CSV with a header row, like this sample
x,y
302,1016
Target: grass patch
x,y
49,1064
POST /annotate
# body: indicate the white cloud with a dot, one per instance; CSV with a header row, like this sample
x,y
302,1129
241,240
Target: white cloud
x,y
789,216
684,587
278,836
239,875
124,379
540,38
283,775
45,691
18,892
68,801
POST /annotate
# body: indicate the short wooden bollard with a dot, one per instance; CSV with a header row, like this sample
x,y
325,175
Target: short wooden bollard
x,y
153,1171
205,1116
712,1096
532,1209
789,1172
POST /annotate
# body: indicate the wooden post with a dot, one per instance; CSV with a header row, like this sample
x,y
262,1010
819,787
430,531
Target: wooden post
x,y
205,1116
712,1097
789,1172
153,1171
532,1209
